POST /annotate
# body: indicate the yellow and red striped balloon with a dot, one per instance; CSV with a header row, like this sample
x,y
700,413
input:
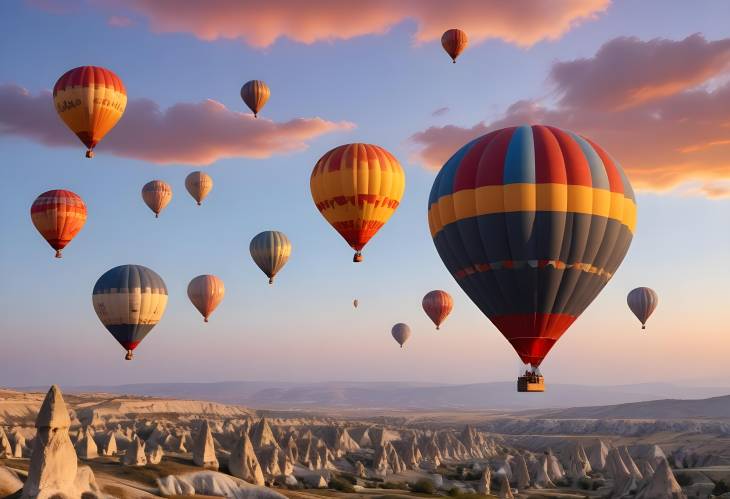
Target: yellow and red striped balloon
x,y
58,215
438,305
206,292
357,188
454,41
90,100
156,195
255,94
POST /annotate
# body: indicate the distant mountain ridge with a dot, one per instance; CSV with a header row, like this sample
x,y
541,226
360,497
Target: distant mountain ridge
x,y
407,395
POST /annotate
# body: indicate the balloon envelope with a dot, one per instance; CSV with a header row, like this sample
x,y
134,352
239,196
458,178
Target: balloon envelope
x,y
454,41
255,94
357,188
206,292
270,250
355,303
130,301
157,195
437,304
199,185
58,215
90,100
642,302
401,332
532,222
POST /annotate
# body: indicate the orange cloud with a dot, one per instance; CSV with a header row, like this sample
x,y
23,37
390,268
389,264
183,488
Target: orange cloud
x,y
626,72
185,133
665,142
522,22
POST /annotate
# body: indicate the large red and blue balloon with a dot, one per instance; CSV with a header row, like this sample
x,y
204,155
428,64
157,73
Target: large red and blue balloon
x,y
532,222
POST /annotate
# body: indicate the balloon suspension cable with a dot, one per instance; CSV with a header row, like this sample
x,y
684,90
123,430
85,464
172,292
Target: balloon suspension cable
x,y
58,254
129,355
358,257
89,153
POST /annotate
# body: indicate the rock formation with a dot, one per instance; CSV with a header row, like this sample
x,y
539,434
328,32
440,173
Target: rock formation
x,y
9,482
542,478
505,491
521,474
629,462
155,455
243,463
204,448
212,483
615,466
597,455
86,447
662,485
109,448
53,467
360,470
6,450
485,482
135,456
262,436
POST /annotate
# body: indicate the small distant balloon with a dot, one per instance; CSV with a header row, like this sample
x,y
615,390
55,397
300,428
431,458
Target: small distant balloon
x,y
255,94
454,41
58,215
129,300
199,185
355,303
156,195
642,302
206,292
401,332
90,100
437,304
270,250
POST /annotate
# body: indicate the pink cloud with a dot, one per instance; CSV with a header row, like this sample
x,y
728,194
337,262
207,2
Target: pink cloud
x,y
185,133
260,24
681,137
626,71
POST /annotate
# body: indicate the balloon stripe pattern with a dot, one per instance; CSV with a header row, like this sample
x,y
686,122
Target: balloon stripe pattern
x,y
532,222
206,292
130,301
199,185
157,195
255,94
58,215
357,188
90,100
270,251
438,305
642,302
454,41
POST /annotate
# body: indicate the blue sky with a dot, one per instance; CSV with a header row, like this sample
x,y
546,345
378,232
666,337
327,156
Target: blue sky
x,y
304,327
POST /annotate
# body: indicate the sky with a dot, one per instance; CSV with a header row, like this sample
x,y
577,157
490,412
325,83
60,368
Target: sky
x,y
649,81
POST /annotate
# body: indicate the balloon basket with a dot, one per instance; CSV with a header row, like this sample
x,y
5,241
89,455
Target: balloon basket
x,y
531,383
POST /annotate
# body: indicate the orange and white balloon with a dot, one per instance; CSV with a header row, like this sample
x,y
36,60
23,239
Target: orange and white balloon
x,y
199,185
58,215
156,195
90,100
206,292
454,41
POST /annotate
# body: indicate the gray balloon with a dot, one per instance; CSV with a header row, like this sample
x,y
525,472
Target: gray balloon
x,y
401,332
642,302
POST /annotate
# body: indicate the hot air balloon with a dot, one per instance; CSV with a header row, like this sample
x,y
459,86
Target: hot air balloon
x,y
532,222
129,300
270,250
90,100
355,303
255,93
58,215
454,41
437,305
156,195
642,302
199,185
401,332
357,187
206,292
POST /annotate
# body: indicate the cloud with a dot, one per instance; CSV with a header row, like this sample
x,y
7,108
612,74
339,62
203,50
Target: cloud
x,y
626,72
185,133
663,142
260,24
440,111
